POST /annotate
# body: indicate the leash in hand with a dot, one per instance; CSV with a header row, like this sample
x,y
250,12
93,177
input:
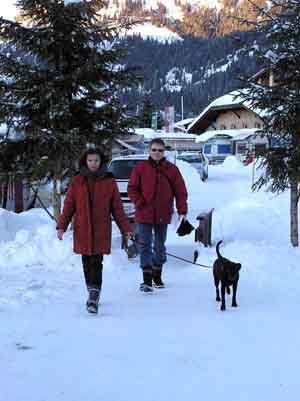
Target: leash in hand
x,y
132,251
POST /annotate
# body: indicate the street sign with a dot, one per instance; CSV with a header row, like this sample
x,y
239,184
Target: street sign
x,y
154,120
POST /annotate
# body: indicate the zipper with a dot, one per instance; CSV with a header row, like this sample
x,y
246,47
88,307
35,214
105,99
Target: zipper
x,y
90,203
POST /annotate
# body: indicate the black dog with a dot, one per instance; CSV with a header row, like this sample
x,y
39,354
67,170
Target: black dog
x,y
228,273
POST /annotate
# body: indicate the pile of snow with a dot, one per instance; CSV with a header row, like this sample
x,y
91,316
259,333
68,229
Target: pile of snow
x,y
232,163
150,31
28,239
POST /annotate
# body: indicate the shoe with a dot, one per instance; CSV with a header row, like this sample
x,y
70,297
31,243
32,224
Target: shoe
x,y
146,286
157,281
92,307
93,300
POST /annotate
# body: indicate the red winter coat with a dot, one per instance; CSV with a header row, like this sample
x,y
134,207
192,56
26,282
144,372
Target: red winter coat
x,y
153,187
92,226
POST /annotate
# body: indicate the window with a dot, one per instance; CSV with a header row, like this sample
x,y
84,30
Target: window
x,y
241,148
233,126
224,148
122,169
257,125
222,126
245,125
260,149
191,158
207,149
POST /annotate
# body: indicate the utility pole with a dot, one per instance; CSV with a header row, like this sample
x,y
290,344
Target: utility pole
x,y
181,106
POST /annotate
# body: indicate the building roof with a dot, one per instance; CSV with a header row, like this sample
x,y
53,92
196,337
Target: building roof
x,y
231,101
183,124
150,133
259,73
125,145
231,134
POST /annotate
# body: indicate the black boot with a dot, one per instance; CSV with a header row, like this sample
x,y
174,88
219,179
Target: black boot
x,y
146,286
92,267
93,300
157,281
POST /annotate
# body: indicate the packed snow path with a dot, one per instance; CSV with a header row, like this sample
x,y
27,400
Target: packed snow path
x,y
174,344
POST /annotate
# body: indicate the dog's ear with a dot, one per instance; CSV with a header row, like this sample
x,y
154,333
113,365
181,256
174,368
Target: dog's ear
x,y
238,267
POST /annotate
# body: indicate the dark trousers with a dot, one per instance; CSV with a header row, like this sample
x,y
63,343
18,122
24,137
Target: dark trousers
x,y
92,268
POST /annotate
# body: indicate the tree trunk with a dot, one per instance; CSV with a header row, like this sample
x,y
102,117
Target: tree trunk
x,y
56,198
5,191
294,213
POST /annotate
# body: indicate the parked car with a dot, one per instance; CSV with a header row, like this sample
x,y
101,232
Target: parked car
x,y
197,160
217,151
121,167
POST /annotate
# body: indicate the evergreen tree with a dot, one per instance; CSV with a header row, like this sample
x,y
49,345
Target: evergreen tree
x,y
146,112
60,74
280,102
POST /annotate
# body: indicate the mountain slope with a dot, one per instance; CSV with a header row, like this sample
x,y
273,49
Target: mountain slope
x,y
198,69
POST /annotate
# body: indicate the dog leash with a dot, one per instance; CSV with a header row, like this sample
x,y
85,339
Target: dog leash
x,y
196,254
188,261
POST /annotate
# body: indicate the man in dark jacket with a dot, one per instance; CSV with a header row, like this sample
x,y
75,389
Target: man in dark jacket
x,y
153,185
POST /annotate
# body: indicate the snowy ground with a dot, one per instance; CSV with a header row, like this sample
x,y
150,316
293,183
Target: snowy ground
x,y
172,345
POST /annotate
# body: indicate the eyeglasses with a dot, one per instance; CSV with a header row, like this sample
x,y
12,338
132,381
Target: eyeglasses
x,y
157,150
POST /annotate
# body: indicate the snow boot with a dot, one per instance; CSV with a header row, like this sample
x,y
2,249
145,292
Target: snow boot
x,y
93,300
146,286
157,281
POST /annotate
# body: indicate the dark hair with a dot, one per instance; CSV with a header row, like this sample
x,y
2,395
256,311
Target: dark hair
x,y
159,141
92,151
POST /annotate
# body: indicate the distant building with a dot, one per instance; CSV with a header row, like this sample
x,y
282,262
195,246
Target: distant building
x,y
178,141
229,125
265,77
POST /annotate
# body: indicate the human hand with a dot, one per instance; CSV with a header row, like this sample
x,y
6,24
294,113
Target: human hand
x,y
60,234
130,236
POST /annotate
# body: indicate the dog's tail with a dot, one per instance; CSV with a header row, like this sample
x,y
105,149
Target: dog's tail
x,y
217,249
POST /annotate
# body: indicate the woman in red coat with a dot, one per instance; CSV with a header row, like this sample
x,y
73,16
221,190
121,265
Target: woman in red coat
x,y
92,198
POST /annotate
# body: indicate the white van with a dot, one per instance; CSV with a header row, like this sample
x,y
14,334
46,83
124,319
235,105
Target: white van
x,y
121,167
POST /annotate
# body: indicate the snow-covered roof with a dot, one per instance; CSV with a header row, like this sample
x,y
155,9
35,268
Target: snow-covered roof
x,y
230,100
125,145
150,133
183,124
236,134
184,121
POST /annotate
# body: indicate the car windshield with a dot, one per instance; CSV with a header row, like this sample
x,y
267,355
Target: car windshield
x,y
190,158
122,169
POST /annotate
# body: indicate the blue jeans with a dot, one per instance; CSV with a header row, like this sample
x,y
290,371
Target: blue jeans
x,y
152,254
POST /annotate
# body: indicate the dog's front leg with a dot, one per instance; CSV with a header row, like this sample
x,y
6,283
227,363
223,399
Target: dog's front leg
x,y
217,282
223,289
234,290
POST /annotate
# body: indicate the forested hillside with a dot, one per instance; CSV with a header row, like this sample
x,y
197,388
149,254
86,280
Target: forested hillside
x,y
199,69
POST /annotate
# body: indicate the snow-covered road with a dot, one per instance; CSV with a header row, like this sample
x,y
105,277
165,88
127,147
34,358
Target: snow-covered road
x,y
172,345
